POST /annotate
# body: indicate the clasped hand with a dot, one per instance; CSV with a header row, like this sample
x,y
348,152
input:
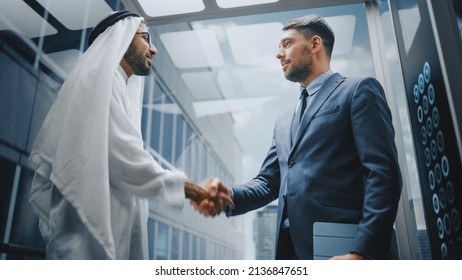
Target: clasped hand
x,y
211,199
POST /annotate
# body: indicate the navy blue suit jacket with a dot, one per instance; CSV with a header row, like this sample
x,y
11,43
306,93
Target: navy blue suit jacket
x,y
342,167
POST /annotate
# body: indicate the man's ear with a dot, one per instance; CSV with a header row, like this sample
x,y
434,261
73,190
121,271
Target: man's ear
x,y
316,43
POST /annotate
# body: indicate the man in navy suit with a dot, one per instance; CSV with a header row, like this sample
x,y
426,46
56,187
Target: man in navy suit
x,y
334,161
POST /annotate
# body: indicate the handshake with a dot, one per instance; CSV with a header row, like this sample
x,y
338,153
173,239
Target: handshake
x,y
211,198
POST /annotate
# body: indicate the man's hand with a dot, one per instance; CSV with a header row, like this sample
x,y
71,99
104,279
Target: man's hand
x,y
219,198
210,199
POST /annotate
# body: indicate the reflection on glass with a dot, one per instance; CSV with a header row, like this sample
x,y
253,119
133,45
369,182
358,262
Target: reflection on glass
x,y
157,8
458,12
409,16
202,48
69,12
12,17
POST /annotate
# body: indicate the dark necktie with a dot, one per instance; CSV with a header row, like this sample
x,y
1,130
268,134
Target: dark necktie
x,y
301,106
303,100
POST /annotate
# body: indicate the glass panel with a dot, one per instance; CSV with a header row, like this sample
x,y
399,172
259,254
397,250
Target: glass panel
x,y
203,152
185,251
62,62
202,49
162,242
69,12
151,238
217,251
167,136
180,122
15,12
202,84
254,43
189,154
146,116
202,249
47,90
458,11
17,98
195,248
7,171
175,255
24,230
158,8
409,15
156,120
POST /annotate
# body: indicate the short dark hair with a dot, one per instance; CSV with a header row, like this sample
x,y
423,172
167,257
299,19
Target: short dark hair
x,y
313,25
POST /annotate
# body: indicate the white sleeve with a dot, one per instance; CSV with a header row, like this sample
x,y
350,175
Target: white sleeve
x,y
132,168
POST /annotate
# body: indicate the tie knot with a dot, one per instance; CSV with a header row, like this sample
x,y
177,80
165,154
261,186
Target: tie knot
x,y
304,93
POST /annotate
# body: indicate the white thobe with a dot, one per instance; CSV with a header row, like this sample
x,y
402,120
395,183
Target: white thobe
x,y
134,176
92,175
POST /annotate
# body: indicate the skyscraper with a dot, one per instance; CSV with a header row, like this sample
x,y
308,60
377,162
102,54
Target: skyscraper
x,y
265,233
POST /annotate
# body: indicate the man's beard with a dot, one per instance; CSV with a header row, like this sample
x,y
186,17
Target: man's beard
x,y
137,61
298,74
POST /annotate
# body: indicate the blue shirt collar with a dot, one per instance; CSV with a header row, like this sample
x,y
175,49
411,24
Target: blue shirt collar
x,y
316,84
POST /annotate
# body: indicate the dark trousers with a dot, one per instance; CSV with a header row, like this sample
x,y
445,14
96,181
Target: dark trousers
x,y
285,250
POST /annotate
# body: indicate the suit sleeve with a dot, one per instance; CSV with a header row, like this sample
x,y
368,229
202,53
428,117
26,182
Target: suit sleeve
x,y
262,189
374,137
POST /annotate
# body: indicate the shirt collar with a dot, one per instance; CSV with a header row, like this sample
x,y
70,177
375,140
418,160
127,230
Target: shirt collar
x,y
316,84
122,72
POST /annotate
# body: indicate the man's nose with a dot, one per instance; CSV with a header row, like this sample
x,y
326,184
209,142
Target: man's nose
x,y
280,55
153,50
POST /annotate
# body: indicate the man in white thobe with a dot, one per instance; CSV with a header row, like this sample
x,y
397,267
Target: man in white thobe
x,y
93,177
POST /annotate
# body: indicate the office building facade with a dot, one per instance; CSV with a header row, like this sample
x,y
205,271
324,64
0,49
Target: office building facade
x,y
265,232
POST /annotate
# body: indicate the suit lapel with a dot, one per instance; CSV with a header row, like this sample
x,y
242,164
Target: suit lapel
x,y
285,130
322,95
